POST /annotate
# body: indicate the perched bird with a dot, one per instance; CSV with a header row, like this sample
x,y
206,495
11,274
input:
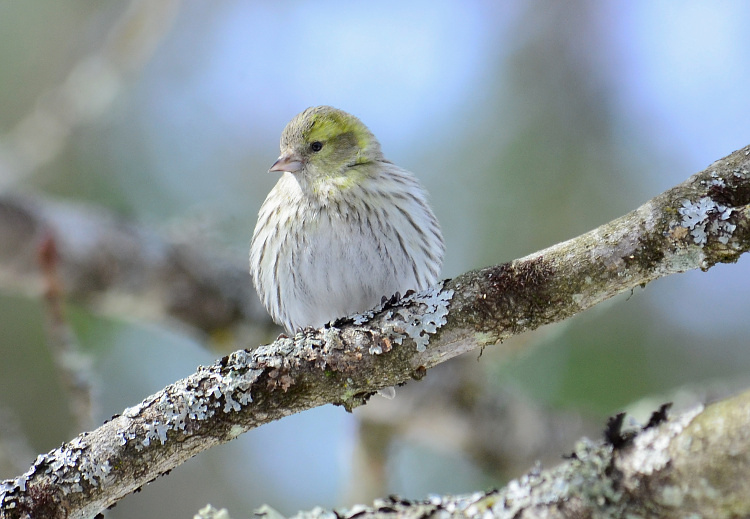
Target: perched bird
x,y
342,228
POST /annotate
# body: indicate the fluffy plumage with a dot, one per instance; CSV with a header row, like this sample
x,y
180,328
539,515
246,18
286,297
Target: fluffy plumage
x,y
343,226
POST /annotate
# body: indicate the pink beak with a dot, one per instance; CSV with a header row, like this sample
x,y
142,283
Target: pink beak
x,y
287,162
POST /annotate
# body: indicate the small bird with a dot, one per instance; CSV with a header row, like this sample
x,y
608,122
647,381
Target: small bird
x,y
342,228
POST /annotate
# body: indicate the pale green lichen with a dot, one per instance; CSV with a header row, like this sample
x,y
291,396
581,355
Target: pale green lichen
x,y
485,339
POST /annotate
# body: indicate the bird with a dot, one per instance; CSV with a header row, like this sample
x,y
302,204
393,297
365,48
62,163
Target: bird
x,y
343,228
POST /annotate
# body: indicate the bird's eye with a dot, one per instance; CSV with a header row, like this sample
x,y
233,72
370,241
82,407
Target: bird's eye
x,y
316,146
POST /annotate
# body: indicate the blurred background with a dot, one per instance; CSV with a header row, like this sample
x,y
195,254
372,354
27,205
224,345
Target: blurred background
x,y
528,122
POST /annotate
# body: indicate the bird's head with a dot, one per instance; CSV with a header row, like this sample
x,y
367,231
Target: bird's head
x,y
324,142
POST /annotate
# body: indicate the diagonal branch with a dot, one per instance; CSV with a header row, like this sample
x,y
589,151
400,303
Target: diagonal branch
x,y
701,222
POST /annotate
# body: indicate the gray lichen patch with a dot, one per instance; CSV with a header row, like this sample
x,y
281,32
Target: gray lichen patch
x,y
69,468
417,316
704,218
225,388
222,388
421,315
712,216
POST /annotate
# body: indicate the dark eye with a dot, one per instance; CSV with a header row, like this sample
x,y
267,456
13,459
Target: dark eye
x,y
316,146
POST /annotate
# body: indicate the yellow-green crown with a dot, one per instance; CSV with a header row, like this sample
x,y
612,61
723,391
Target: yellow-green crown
x,y
325,123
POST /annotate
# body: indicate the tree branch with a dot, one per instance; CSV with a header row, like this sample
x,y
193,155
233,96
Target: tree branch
x,y
701,222
693,465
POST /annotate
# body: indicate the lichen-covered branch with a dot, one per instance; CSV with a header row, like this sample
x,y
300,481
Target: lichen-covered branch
x,y
694,225
699,223
692,465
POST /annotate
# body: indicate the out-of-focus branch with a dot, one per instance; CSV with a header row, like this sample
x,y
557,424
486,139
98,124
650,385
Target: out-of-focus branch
x,y
73,366
122,268
693,465
88,91
460,407
702,221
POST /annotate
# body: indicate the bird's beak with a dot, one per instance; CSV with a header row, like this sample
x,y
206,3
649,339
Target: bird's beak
x,y
288,161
